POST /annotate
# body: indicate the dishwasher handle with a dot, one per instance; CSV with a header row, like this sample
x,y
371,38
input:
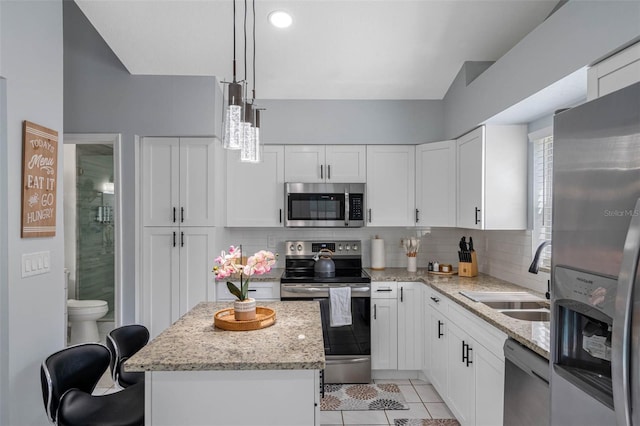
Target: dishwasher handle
x,y
527,360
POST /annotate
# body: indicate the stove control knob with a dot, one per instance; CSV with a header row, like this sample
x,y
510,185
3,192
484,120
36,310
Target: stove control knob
x,y
299,247
347,247
339,247
292,247
355,247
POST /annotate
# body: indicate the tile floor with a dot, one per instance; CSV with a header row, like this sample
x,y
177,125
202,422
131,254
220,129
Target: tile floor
x,y
423,400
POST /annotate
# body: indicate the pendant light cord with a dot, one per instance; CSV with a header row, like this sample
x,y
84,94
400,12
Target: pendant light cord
x,y
245,43
254,52
234,41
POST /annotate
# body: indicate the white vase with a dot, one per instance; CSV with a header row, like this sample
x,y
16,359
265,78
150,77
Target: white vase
x,y
412,264
244,310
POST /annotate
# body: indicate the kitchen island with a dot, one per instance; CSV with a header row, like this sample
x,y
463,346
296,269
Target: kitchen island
x,y
198,374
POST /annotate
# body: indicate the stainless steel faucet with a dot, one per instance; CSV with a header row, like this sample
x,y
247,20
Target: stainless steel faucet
x,y
536,258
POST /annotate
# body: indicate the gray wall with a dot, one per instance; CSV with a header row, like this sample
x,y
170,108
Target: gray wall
x,y
352,122
31,309
100,96
578,34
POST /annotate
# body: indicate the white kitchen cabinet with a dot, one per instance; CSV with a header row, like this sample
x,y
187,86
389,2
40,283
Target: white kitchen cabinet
x,y
384,326
614,73
466,361
461,375
410,326
178,184
436,184
437,346
325,163
492,178
489,387
176,270
255,192
390,185
259,290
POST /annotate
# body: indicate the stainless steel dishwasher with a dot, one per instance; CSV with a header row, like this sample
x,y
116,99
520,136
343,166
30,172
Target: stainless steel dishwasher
x,y
526,386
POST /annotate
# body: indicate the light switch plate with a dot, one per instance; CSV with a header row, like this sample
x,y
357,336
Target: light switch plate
x,y
36,263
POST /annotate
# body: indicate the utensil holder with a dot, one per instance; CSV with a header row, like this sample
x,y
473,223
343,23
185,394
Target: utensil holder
x,y
469,269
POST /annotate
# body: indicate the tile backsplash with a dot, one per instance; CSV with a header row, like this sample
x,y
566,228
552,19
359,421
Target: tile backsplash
x,y
502,254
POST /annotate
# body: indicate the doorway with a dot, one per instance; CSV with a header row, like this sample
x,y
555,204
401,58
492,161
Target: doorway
x,y
92,222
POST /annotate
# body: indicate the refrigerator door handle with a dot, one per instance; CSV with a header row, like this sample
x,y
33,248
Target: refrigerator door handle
x,y
621,335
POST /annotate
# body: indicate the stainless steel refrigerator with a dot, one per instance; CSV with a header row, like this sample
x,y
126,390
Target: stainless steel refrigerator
x,y
595,336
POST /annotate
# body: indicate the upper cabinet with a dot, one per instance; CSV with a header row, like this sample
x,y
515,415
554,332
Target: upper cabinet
x,y
436,184
255,192
390,185
325,163
492,178
178,181
614,73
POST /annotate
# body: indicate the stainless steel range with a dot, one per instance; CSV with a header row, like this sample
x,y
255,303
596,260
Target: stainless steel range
x,y
347,347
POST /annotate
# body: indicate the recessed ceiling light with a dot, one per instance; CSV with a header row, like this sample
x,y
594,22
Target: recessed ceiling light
x,y
280,19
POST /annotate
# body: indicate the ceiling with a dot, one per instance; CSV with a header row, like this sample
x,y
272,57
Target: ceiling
x,y
335,49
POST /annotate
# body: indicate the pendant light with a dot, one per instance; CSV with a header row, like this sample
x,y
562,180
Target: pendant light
x,y
233,114
251,143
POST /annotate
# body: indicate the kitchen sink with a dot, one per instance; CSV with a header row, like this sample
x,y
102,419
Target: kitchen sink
x,y
542,315
516,305
501,296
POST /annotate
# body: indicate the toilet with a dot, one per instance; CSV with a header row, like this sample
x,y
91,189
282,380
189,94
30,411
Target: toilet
x,y
83,315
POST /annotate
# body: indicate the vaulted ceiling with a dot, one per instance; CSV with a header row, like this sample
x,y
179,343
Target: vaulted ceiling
x,y
346,49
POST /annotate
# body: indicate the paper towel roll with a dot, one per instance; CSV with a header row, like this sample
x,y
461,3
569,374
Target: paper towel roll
x,y
377,253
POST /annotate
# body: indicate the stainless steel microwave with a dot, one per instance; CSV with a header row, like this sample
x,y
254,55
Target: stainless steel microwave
x,y
324,205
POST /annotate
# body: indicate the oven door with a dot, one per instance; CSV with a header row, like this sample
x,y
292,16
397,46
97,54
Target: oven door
x,y
347,348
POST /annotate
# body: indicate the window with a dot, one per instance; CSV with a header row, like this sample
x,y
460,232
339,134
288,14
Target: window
x,y
542,197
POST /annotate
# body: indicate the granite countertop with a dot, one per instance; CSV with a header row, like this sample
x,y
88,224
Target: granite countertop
x,y
294,342
532,334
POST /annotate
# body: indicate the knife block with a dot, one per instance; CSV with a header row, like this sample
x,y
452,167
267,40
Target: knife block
x,y
469,269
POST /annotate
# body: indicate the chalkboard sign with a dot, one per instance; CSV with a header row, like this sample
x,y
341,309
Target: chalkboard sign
x,y
39,180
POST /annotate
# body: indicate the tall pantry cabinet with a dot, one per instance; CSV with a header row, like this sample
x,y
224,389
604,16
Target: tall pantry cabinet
x,y
178,219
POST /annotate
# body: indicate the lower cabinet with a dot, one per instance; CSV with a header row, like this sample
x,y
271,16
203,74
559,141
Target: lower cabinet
x,y
176,267
384,326
410,327
396,326
465,361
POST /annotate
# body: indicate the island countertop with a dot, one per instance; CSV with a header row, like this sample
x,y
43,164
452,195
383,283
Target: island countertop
x,y
294,342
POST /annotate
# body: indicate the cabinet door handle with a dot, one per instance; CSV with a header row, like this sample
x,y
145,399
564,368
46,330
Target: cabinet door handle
x,y
280,215
375,311
435,299
174,215
464,358
321,171
328,171
402,294
383,289
417,215
174,238
440,333
252,289
469,349
477,211
182,239
369,215
181,214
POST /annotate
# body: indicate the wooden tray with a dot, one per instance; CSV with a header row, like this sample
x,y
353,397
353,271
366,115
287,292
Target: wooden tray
x,y
454,272
225,320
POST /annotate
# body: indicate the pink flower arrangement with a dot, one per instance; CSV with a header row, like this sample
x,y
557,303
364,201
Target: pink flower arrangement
x,y
227,265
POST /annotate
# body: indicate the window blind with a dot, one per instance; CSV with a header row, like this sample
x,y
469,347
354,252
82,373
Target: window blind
x,y
543,189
